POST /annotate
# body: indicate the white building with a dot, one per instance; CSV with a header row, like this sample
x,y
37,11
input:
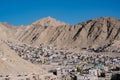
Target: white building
x,y
93,72
86,77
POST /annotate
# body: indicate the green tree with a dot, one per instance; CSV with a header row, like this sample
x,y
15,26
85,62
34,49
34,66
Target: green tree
x,y
79,70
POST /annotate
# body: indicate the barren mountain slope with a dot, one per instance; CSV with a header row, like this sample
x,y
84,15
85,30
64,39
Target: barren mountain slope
x,y
11,63
33,31
6,31
93,33
99,32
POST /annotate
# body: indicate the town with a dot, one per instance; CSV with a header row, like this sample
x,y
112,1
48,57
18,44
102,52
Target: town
x,y
70,65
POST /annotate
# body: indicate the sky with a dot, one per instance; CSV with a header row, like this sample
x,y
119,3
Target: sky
x,y
24,12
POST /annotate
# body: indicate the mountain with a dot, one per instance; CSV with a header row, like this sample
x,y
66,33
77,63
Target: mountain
x,y
12,66
96,34
92,33
99,32
7,25
6,30
31,32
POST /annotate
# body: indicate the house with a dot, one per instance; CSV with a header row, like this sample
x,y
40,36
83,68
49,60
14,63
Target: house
x,y
93,72
86,77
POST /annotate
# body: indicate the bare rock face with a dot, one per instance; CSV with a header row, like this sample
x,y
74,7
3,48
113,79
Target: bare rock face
x,y
32,32
99,32
93,33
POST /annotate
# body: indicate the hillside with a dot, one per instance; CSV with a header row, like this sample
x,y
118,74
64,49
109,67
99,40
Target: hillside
x,y
11,63
92,33
95,33
6,30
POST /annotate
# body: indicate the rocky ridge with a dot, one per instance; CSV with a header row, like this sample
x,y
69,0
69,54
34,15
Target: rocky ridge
x,y
93,33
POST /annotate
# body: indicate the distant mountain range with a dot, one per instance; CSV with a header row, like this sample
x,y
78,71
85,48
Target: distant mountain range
x,y
94,33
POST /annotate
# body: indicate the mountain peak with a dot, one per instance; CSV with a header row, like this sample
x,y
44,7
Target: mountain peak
x,y
49,21
49,17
